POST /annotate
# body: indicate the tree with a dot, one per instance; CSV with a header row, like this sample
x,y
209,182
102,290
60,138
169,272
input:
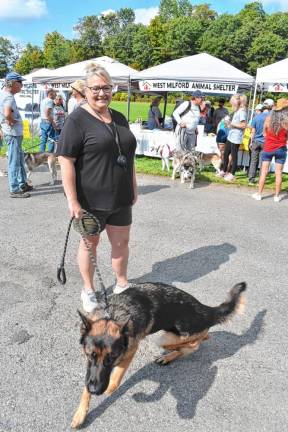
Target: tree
x,y
204,13
277,23
182,37
170,9
6,56
126,16
32,57
89,36
109,25
267,48
57,50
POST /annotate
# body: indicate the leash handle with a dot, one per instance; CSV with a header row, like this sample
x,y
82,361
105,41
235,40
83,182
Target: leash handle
x,y
61,274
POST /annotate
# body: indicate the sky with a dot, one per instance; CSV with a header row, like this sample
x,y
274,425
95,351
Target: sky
x,y
24,21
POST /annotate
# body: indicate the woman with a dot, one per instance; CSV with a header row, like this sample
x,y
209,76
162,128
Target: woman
x,y
58,115
154,114
235,135
95,179
275,141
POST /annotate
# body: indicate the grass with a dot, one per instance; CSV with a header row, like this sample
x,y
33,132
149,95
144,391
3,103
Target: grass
x,y
152,166
139,109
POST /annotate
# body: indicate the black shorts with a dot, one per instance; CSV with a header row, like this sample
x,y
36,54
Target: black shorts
x,y
118,217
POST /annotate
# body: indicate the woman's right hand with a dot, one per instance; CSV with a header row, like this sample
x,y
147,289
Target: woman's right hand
x,y
75,209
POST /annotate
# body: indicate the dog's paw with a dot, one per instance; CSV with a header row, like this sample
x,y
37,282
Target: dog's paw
x,y
78,419
161,361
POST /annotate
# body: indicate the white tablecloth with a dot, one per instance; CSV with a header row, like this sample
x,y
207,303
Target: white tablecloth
x,y
148,142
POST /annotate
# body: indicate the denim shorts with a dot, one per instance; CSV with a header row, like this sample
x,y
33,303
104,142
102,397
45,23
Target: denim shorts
x,y
279,154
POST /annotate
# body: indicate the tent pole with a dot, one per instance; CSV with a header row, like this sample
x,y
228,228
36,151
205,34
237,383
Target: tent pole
x,y
165,106
129,99
254,99
32,119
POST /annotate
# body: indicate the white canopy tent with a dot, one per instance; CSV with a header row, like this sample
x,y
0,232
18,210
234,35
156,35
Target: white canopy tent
x,y
63,76
201,71
200,68
272,78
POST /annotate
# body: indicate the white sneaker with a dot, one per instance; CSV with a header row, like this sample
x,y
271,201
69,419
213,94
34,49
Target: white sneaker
x,y
118,289
89,301
229,177
3,174
256,196
220,174
277,198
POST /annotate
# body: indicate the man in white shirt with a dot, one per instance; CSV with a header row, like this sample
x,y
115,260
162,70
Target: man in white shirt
x,y
47,125
187,116
12,128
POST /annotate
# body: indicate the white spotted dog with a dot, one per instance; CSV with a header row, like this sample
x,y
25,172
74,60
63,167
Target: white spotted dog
x,y
165,152
33,160
185,163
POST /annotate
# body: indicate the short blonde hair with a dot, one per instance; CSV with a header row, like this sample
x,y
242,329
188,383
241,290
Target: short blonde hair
x,y
94,69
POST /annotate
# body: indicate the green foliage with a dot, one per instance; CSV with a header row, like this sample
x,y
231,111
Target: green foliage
x,y
265,49
247,40
57,50
6,56
32,57
89,36
170,9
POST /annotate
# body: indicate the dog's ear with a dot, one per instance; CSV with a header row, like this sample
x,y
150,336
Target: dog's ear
x,y
85,321
125,331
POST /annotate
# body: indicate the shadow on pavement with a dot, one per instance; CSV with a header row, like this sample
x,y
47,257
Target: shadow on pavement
x,y
188,266
188,380
144,190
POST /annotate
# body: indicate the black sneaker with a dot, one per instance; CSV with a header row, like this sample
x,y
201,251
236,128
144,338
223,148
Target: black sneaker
x,y
26,187
19,194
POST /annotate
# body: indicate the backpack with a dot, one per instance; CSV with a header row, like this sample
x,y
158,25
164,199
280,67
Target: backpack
x,y
174,122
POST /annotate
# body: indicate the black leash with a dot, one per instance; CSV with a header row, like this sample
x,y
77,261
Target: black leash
x,y
87,225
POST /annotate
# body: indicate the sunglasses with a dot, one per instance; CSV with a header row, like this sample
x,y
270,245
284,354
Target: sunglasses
x,y
97,89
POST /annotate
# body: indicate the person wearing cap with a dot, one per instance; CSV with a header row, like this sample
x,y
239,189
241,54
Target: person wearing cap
x,y
47,124
257,139
187,116
275,146
12,127
77,98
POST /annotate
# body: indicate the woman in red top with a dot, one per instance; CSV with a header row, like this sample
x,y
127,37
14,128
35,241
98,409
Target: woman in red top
x,y
276,135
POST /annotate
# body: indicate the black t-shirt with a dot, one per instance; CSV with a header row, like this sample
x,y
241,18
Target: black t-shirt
x,y
100,182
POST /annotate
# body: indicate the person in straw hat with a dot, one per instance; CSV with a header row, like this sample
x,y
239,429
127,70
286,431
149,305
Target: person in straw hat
x,y
275,140
77,98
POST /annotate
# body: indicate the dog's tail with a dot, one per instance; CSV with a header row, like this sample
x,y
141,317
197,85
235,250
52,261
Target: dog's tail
x,y
233,304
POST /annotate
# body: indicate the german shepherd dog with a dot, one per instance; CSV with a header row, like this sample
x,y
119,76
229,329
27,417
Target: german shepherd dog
x,y
111,343
33,160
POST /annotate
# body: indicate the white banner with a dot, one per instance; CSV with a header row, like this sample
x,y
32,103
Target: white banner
x,y
188,86
278,88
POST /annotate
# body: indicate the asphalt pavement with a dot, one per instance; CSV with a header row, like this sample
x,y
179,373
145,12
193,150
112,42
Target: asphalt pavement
x,y
204,241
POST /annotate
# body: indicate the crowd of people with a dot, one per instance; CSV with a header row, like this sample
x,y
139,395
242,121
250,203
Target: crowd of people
x,y
96,151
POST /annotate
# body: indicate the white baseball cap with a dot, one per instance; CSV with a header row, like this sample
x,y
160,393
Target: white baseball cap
x,y
269,103
259,107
